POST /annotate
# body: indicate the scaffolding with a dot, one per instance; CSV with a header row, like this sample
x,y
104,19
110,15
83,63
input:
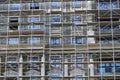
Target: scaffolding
x,y
59,39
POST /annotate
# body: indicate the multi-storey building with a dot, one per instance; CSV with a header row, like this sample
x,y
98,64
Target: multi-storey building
x,y
59,39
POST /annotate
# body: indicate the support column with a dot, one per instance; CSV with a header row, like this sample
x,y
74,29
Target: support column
x,y
43,67
89,5
91,66
20,66
0,65
90,32
66,68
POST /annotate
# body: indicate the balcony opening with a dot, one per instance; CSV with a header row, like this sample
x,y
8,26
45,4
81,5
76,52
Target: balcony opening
x,y
33,59
13,19
55,5
107,4
55,41
2,41
55,18
76,19
13,41
13,27
14,6
76,4
76,40
55,79
34,19
34,40
11,59
34,5
23,40
109,19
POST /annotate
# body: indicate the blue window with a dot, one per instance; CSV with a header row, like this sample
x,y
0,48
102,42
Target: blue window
x,y
107,5
76,40
11,59
34,40
55,59
76,4
77,79
55,19
13,41
34,19
76,19
76,60
33,59
55,79
55,4
106,68
14,6
34,79
116,28
55,41
34,5
34,27
117,67
114,5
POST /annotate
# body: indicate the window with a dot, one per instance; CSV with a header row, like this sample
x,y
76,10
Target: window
x,y
13,19
55,59
13,41
34,79
117,67
77,60
23,40
2,40
76,4
3,28
14,6
55,4
77,79
33,59
24,27
55,19
34,5
34,66
76,19
55,79
114,5
34,19
55,41
34,40
107,5
106,68
109,68
34,27
109,40
11,59
76,40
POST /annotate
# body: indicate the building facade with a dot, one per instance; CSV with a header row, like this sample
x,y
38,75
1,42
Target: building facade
x,y
59,39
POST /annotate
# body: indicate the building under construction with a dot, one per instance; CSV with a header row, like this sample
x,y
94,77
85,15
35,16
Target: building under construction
x,y
59,39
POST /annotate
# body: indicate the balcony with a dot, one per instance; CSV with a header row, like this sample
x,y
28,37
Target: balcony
x,y
85,46
108,32
24,32
22,46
